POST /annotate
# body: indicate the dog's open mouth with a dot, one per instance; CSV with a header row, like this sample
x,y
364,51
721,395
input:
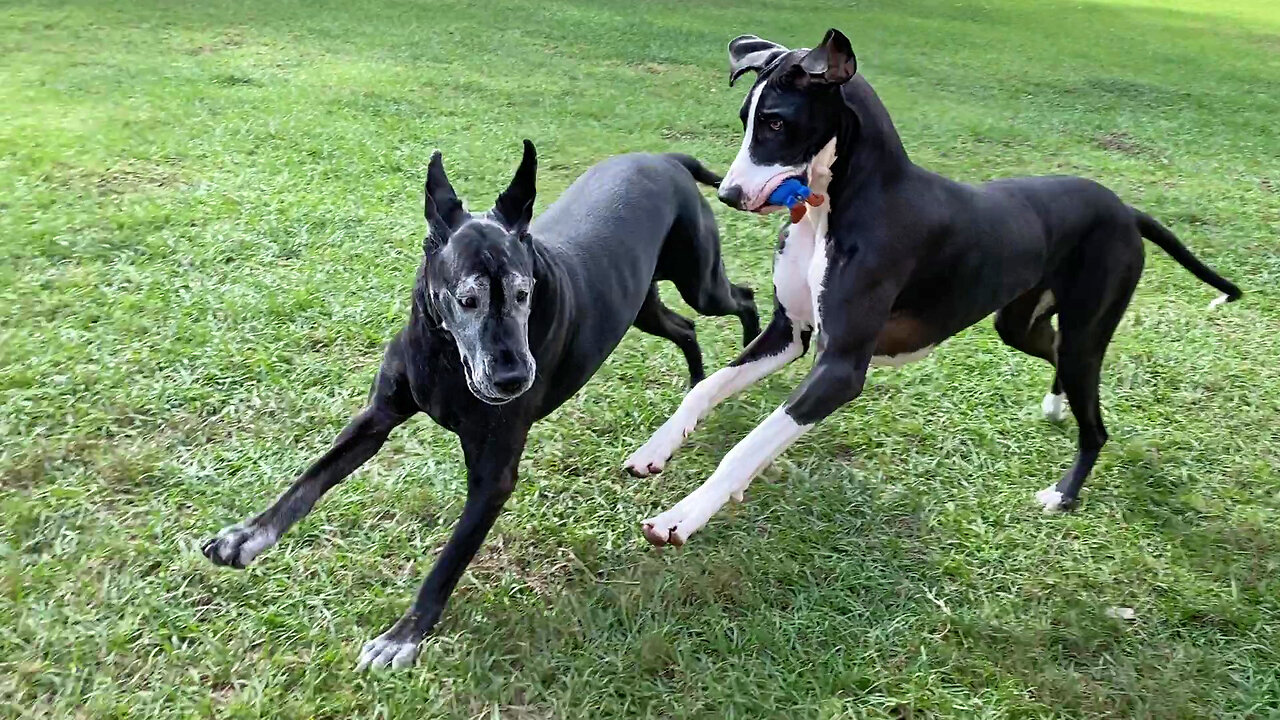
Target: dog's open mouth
x,y
761,204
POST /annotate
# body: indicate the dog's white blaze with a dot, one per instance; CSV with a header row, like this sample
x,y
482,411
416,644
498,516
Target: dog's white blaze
x,y
722,384
732,476
1054,407
744,172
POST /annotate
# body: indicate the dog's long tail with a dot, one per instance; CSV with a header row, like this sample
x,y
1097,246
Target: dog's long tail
x,y
1152,230
696,169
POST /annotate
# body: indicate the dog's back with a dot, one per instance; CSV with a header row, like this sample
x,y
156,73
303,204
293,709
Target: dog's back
x,y
626,222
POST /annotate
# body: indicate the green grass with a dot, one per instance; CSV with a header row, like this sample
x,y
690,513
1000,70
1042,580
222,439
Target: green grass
x,y
210,218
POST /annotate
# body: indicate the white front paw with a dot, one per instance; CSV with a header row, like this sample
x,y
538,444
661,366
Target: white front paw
x,y
652,457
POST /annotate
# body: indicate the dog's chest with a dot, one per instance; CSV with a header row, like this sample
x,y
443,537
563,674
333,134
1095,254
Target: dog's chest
x,y
800,269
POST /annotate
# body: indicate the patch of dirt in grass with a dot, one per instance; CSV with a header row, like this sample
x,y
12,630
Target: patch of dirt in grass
x,y
1123,143
500,556
229,40
126,177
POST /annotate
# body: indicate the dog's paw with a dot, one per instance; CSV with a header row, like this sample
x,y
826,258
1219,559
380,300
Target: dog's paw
x,y
394,648
1053,501
1054,407
237,545
1220,300
654,455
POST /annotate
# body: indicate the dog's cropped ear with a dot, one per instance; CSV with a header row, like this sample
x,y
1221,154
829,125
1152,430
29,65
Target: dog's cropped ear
x,y
750,53
437,229
440,191
514,208
832,62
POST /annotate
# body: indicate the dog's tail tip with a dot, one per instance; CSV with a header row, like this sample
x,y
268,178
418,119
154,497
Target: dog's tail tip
x,y
700,172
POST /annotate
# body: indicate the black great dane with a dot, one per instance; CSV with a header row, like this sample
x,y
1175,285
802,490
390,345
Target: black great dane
x,y
509,319
897,260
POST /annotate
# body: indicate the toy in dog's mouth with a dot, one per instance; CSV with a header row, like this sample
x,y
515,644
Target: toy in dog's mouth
x,y
789,192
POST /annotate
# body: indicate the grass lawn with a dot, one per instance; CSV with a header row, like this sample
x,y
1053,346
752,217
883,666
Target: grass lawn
x,y
210,218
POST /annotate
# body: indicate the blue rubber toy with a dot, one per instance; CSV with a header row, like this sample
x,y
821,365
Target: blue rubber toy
x,y
789,193
794,195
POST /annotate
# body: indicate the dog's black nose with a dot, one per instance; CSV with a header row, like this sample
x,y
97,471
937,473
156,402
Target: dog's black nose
x,y
509,382
731,196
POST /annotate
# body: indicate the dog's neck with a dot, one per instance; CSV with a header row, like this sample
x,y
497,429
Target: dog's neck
x,y
868,150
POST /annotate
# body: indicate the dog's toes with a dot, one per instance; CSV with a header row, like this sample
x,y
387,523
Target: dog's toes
x,y
237,545
1054,407
638,466
388,650
655,538
1053,501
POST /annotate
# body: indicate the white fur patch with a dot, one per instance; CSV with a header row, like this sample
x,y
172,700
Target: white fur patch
x,y
383,652
1051,499
239,544
704,396
1042,306
731,478
1220,300
800,269
901,358
755,180
1054,407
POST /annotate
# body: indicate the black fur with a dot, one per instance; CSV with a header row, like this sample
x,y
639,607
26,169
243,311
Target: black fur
x,y
914,258
595,257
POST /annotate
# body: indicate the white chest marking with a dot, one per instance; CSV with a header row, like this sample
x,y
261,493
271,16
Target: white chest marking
x,y
800,269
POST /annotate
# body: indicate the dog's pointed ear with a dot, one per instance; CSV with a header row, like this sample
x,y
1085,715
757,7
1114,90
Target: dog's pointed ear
x,y
514,208
437,228
832,62
440,190
750,53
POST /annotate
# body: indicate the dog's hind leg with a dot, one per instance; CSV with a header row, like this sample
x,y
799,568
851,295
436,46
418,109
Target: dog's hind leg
x,y
492,457
691,259
1092,305
658,319
237,545
1025,324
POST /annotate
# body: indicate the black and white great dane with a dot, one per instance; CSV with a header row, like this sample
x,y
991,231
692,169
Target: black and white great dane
x,y
899,259
508,320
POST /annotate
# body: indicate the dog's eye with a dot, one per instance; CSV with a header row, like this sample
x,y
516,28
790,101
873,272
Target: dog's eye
x,y
522,296
469,302
775,125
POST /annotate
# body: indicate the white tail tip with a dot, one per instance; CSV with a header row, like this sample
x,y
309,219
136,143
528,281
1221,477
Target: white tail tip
x,y
1220,300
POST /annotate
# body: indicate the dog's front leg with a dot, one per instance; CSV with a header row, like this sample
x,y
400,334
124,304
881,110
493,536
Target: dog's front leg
x,y
861,300
780,343
237,545
834,381
491,477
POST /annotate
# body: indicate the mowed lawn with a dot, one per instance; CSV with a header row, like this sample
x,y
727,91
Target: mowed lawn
x,y
210,219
